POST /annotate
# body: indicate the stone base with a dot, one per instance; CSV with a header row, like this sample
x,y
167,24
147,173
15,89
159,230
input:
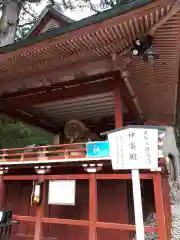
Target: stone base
x,y
151,222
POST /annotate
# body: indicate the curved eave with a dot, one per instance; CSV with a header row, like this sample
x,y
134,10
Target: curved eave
x,y
100,17
86,44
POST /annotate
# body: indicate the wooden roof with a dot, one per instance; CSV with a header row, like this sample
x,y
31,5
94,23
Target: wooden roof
x,y
51,17
85,48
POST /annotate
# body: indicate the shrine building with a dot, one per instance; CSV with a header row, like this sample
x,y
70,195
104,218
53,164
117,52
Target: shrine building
x,y
78,79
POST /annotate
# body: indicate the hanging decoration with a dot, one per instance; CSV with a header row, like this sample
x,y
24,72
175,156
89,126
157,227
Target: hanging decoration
x,y
36,196
143,47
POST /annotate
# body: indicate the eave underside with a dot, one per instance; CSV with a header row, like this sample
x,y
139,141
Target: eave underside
x,y
88,52
89,100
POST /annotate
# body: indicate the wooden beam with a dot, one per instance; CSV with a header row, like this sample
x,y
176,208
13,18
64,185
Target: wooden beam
x,y
59,94
118,104
72,222
123,176
20,178
123,227
24,218
52,87
126,97
104,176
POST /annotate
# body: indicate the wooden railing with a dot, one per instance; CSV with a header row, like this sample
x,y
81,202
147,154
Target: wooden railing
x,y
43,153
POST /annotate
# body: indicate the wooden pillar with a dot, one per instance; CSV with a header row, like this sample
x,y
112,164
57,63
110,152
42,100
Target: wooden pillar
x,y
56,139
2,191
160,208
40,212
92,206
118,105
2,186
167,204
118,124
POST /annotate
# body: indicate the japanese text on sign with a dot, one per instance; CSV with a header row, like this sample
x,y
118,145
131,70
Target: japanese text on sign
x,y
132,145
134,148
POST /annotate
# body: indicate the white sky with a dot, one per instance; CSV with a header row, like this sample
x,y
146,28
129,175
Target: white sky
x,y
76,14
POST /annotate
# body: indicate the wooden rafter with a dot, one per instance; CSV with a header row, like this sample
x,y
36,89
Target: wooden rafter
x,y
169,15
64,51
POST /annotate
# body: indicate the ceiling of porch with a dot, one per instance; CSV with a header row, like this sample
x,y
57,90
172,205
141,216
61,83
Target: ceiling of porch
x,y
92,107
92,102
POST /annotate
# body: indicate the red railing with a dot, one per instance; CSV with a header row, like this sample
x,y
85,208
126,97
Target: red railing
x,y
43,153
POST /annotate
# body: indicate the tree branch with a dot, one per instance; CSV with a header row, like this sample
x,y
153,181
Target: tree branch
x,y
28,12
92,7
68,4
27,24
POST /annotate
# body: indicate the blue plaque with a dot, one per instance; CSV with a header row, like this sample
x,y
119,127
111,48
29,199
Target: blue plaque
x,y
98,149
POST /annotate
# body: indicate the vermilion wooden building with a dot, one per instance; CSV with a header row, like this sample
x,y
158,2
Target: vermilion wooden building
x,y
86,70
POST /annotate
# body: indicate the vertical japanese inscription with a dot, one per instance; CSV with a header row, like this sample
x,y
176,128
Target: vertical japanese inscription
x,y
147,147
132,146
119,151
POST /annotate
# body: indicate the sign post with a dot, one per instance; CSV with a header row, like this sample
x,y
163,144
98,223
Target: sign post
x,y
138,205
134,149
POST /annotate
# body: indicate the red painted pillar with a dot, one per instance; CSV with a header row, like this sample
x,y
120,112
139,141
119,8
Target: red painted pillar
x,y
118,124
160,207
167,203
2,192
92,206
118,105
40,212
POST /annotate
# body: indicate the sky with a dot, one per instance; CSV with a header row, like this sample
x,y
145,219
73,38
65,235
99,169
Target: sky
x,y
76,14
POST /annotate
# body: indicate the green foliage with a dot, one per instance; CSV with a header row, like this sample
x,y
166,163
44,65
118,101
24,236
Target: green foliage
x,y
14,134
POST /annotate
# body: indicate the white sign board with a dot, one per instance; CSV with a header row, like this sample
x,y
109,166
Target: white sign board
x,y
134,148
62,192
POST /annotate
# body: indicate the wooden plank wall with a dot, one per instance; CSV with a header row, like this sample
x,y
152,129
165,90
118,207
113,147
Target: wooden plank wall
x,y
18,200
112,207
